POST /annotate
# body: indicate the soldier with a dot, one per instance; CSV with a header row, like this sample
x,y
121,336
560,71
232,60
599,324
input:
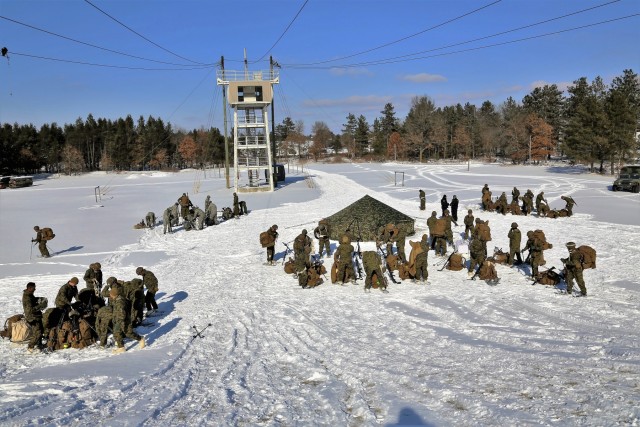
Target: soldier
x,y
207,203
150,220
485,190
373,265
515,193
401,241
387,235
67,292
527,202
239,207
104,318
133,291
321,233
486,197
343,258
175,213
502,204
448,232
211,213
423,200
33,307
454,209
122,321
514,244
185,204
167,219
514,208
444,204
543,209
422,262
431,222
272,233
573,269
93,277
42,243
198,217
539,199
187,221
535,256
150,281
302,250
468,224
477,253
569,204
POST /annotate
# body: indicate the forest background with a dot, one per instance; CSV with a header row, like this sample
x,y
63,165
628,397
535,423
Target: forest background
x,y
593,123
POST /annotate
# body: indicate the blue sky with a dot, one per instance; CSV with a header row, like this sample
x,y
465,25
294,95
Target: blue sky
x,y
337,57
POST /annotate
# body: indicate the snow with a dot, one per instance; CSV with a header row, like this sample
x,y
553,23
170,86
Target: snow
x,y
454,352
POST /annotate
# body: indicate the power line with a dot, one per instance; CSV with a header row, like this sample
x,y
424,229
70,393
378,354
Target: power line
x,y
141,36
392,61
284,32
93,64
409,36
89,44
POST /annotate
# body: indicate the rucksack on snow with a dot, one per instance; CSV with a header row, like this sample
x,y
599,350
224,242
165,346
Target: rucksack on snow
x,y
21,331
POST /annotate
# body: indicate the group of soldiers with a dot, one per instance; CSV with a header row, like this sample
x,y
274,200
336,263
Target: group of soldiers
x,y
347,259
83,317
501,204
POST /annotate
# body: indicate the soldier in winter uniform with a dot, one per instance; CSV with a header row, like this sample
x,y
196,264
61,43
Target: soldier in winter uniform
x,y
431,222
33,307
477,253
185,204
569,204
448,232
272,233
67,292
527,202
211,214
42,243
502,204
302,250
573,269
198,217
343,258
150,220
515,194
539,199
122,325
387,235
422,261
167,219
536,258
373,265
207,202
514,244
321,233
401,241
486,197
468,224
93,276
423,200
150,281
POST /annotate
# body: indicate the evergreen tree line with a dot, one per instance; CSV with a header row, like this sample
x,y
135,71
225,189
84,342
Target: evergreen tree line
x,y
594,124
89,145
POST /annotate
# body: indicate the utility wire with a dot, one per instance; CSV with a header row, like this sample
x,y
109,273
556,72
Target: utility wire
x,y
91,45
141,36
284,32
409,36
391,61
489,36
191,93
93,64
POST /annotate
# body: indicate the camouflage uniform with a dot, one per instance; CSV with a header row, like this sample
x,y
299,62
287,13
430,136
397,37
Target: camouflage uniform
x,y
93,276
373,264
150,219
150,281
448,232
321,233
33,314
422,261
167,219
573,269
134,293
175,213
569,204
199,217
42,243
302,250
67,292
273,234
211,214
527,202
344,259
207,203
423,200
401,241
515,193
185,203
468,225
477,253
387,236
122,325
502,204
103,323
514,244
431,221
536,257
486,197
236,206
539,199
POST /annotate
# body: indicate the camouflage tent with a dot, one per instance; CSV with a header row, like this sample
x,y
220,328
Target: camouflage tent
x,y
364,217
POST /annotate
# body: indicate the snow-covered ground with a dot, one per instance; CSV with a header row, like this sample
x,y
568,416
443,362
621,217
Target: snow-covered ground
x,y
454,352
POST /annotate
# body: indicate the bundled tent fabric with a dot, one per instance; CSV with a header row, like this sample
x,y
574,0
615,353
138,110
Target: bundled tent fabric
x,y
364,217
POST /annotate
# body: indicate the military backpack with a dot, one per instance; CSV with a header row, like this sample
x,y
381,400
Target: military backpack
x,y
539,235
8,325
47,233
587,256
483,231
